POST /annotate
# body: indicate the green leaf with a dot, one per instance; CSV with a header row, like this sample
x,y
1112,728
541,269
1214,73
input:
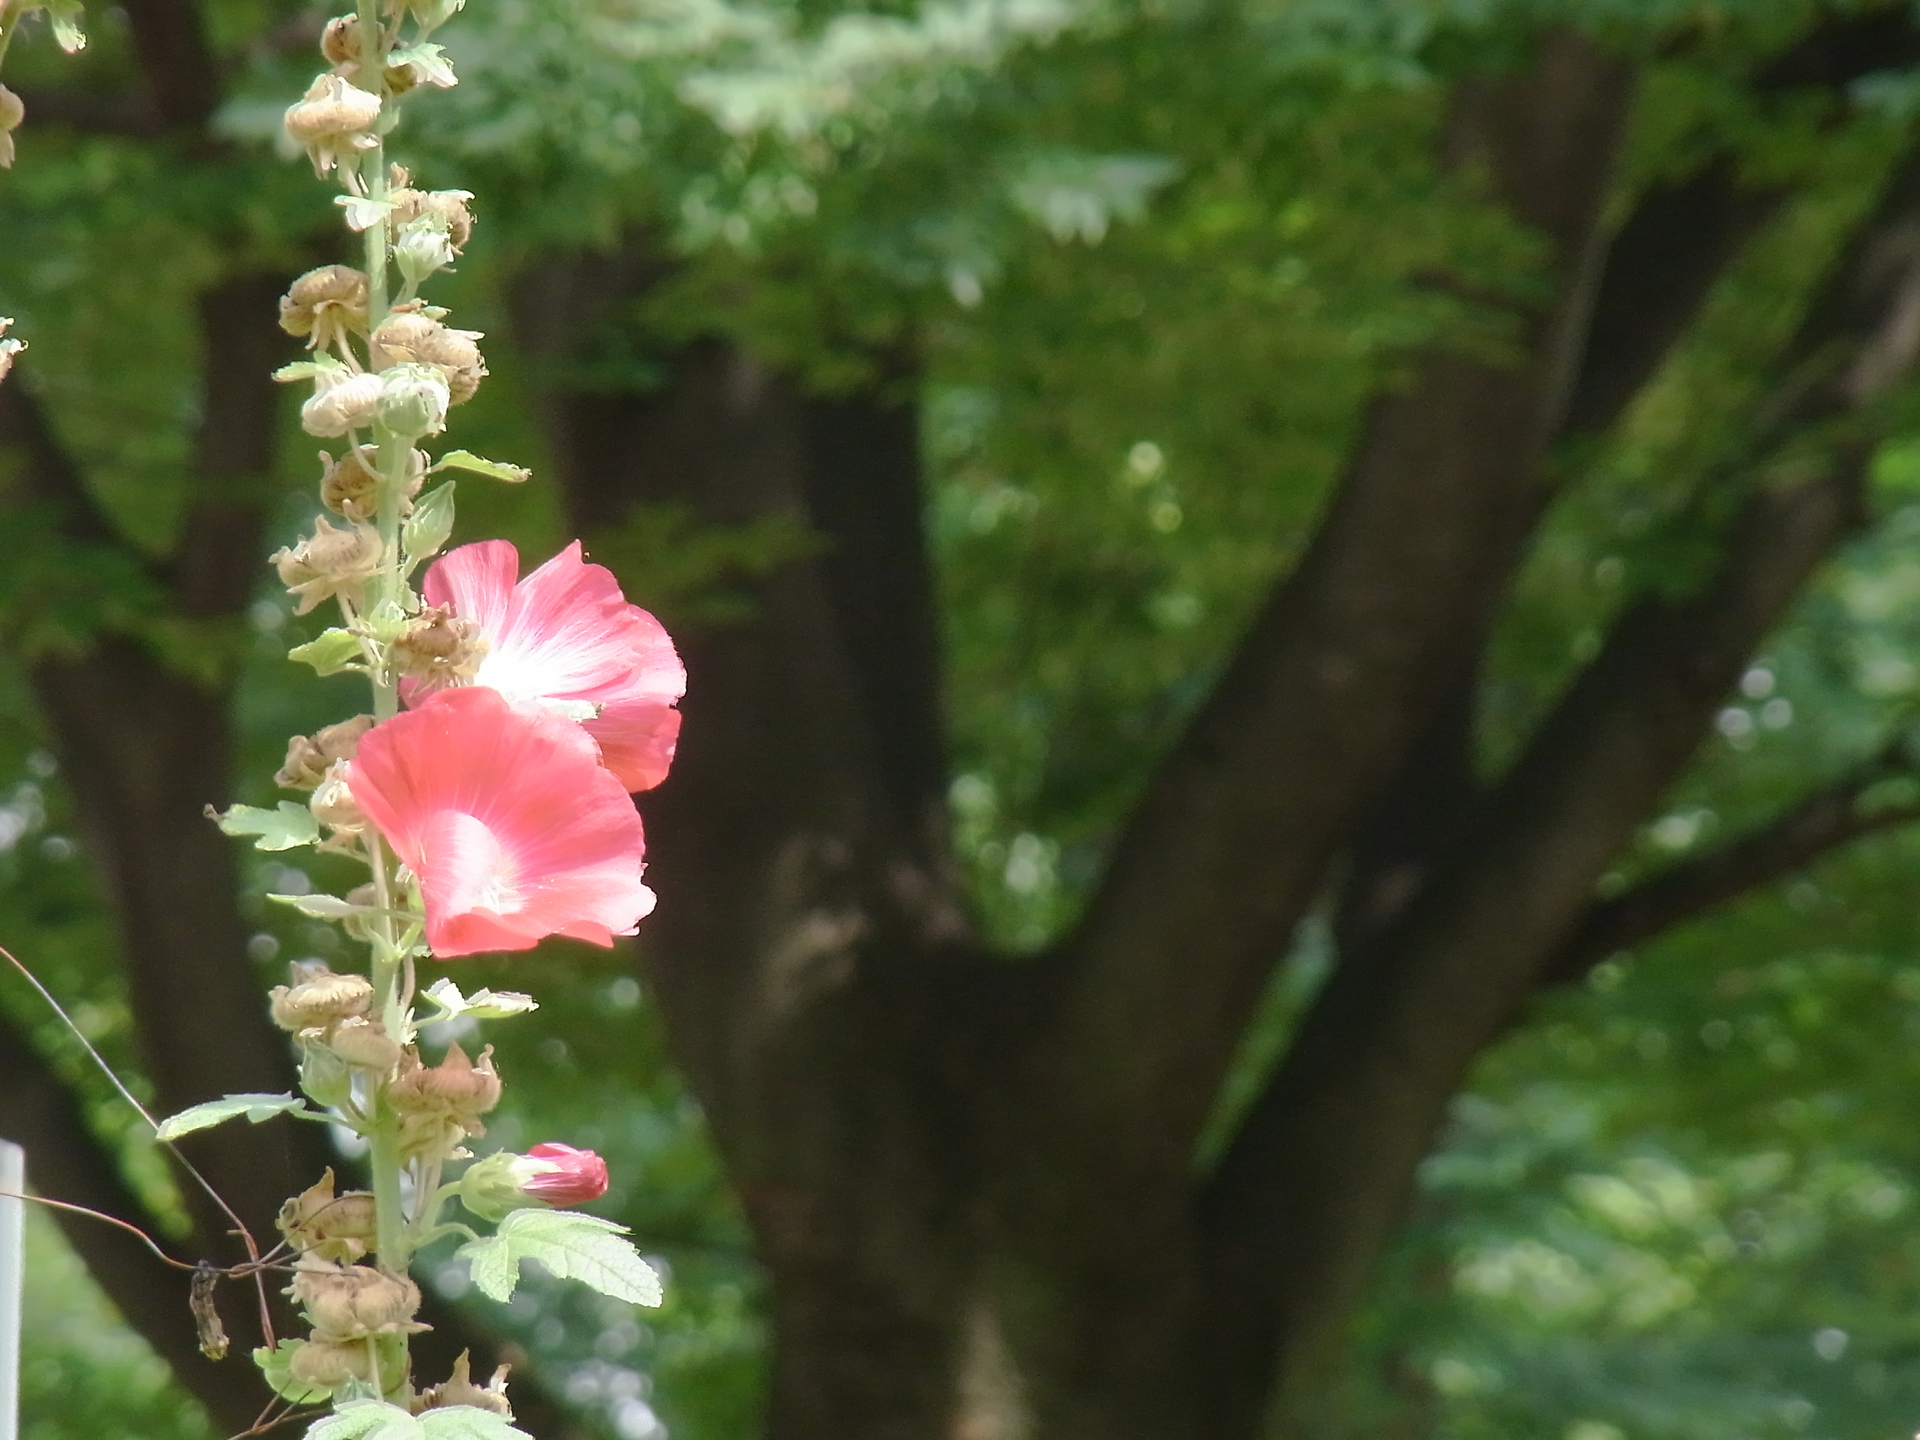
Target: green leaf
x,y
321,907
363,214
571,1245
280,829
467,1422
277,1365
367,1420
228,1107
495,469
481,1005
324,1076
429,526
330,653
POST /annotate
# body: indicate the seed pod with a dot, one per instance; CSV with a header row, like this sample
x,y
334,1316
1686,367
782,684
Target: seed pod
x,y
413,400
324,303
351,1302
333,804
459,1389
438,649
328,1226
328,562
12,112
350,486
341,402
412,336
309,757
320,1000
456,1087
328,1364
332,122
364,1044
449,207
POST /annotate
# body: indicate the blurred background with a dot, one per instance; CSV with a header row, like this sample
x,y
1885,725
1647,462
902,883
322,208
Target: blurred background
x,y
1034,336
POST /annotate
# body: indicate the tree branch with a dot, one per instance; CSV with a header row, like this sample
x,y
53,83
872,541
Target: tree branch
x,y
47,475
1321,1168
1822,822
1236,829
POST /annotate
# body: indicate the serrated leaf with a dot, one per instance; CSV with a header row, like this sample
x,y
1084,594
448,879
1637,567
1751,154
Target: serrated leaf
x,y
329,653
571,1245
277,1365
367,1420
228,1107
494,469
321,907
429,526
482,1004
467,1422
283,828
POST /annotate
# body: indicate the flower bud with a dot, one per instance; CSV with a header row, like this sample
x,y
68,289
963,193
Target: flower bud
x,y
438,649
309,757
12,111
549,1174
333,122
351,1302
328,1226
413,400
421,250
332,803
326,303
459,1389
328,562
448,207
321,999
328,1364
364,1044
341,402
351,485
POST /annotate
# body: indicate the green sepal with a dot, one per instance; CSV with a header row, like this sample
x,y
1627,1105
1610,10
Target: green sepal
x,y
283,828
429,526
332,652
324,1076
481,1005
493,469
307,369
66,16
277,1365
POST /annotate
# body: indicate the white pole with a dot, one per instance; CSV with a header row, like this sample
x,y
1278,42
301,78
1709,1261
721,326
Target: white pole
x,y
13,1214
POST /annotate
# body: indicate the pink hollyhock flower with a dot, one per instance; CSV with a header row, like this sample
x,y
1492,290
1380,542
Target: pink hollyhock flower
x,y
566,637
564,1175
514,828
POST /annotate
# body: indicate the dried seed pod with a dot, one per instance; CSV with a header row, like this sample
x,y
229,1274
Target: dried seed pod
x,y
449,208
350,486
333,804
438,649
328,562
364,1044
411,336
459,1389
325,304
328,1226
309,756
329,1364
342,402
321,999
457,1088
12,112
333,122
351,1302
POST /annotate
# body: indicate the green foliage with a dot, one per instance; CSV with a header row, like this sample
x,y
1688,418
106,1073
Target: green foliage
x,y
228,1107
285,827
571,1246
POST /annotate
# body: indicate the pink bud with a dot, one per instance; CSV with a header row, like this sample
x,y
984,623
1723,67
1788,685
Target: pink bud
x,y
568,1177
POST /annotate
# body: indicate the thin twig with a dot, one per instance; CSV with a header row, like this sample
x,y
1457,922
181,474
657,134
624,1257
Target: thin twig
x,y
240,1228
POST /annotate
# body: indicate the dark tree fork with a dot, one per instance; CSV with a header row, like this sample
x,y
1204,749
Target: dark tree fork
x,y
973,1181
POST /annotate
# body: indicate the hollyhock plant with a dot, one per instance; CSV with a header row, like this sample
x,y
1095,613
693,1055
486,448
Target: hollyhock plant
x,y
492,811
508,820
566,637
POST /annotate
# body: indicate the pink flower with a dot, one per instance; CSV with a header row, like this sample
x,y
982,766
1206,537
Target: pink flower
x,y
566,1176
514,828
566,637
